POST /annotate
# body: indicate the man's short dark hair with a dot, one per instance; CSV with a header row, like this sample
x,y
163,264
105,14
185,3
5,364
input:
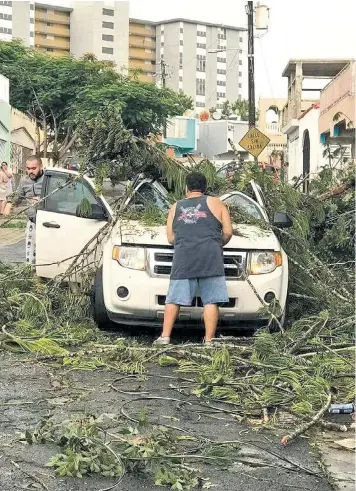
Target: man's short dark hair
x,y
196,181
32,158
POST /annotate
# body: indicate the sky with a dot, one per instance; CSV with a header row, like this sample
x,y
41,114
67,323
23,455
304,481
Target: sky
x,y
297,29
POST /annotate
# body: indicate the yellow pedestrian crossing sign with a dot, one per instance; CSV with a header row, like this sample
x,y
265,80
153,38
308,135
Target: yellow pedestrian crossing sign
x,y
254,142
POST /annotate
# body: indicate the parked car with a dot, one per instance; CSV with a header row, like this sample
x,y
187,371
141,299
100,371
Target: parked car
x,y
132,282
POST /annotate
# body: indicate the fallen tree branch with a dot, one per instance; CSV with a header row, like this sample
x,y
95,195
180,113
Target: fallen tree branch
x,y
303,428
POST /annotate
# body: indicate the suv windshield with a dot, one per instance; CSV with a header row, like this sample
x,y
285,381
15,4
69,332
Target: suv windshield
x,y
148,194
244,204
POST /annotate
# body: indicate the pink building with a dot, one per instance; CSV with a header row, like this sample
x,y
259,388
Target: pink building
x,y
338,110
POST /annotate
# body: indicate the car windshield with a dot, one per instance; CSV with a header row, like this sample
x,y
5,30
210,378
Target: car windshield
x,y
147,194
245,205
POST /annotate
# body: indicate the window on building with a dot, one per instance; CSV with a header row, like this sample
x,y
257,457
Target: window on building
x,y
5,30
181,30
240,51
240,86
201,45
240,74
221,72
240,62
221,95
5,16
108,12
49,24
32,20
181,43
6,4
201,60
240,39
181,79
50,50
221,60
32,7
200,104
221,82
32,34
107,37
108,51
201,34
200,86
108,25
221,36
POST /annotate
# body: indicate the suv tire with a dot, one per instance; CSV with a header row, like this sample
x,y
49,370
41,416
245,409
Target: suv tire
x,y
100,314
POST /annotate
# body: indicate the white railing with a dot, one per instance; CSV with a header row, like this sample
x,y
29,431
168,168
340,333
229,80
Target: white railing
x,y
273,127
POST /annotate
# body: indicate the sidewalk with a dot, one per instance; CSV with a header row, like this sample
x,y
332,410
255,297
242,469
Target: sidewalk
x,y
339,462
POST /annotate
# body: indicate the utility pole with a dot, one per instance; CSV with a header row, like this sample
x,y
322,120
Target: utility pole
x,y
163,80
251,67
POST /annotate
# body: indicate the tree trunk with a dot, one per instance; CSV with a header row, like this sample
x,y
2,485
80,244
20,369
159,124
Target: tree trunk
x,y
45,142
337,191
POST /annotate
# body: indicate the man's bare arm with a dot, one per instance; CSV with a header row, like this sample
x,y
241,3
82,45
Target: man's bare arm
x,y
170,233
226,224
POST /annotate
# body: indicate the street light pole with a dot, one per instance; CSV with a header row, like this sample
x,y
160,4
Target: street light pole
x,y
163,80
251,67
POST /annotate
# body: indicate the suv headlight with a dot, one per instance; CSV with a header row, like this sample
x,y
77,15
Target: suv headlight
x,y
130,257
264,262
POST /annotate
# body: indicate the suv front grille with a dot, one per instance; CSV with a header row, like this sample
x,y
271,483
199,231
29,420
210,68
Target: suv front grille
x,y
160,263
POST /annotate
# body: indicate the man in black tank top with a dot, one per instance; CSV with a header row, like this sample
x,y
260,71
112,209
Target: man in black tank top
x,y
198,226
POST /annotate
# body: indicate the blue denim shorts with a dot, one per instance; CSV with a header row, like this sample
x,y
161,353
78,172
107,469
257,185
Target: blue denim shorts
x,y
212,290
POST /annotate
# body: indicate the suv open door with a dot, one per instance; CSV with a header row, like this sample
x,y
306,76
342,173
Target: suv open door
x,y
66,220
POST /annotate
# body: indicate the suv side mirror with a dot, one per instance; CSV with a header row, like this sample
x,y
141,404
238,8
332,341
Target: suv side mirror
x,y
282,220
96,213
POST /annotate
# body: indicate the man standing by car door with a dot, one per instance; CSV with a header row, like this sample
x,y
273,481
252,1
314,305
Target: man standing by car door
x,y
198,226
29,191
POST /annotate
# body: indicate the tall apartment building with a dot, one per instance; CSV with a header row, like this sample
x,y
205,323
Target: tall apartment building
x,y
142,49
17,20
52,29
101,28
205,61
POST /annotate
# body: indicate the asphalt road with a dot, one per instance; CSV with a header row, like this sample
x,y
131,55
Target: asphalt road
x,y
13,252
29,394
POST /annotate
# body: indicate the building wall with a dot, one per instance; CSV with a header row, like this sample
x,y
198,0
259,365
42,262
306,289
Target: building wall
x,y
23,22
17,21
338,96
213,137
52,29
270,128
92,23
309,122
209,78
142,49
5,120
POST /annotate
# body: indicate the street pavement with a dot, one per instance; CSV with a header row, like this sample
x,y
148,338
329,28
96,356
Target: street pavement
x,y
13,252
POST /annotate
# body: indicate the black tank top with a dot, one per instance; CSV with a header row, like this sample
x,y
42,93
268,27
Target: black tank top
x,y
198,249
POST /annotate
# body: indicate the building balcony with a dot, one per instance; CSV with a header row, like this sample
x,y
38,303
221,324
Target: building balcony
x,y
137,42
57,43
273,128
141,30
141,54
56,30
338,97
53,18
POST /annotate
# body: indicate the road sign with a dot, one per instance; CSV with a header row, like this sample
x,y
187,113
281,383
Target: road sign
x,y
254,142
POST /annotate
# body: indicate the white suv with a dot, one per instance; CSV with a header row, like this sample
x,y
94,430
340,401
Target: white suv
x,y
131,285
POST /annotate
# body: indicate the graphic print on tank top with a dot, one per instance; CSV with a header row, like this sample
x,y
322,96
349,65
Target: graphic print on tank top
x,y
191,214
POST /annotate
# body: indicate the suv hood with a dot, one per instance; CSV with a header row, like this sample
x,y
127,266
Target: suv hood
x,y
246,237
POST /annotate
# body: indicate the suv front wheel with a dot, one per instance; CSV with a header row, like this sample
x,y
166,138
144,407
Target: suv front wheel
x,y
100,314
